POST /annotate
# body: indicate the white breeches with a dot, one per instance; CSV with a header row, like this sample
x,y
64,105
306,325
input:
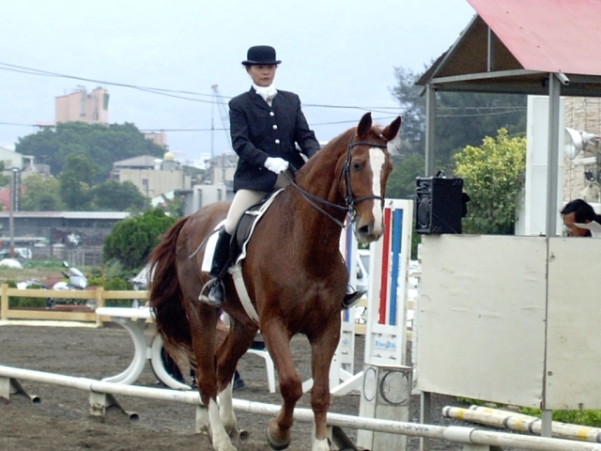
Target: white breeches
x,y
243,200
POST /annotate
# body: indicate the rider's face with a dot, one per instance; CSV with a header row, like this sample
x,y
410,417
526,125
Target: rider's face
x,y
262,75
569,221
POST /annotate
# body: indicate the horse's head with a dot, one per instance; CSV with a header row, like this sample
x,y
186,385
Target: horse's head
x,y
366,169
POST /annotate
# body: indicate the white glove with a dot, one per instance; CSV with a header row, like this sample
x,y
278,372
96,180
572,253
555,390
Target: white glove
x,y
276,165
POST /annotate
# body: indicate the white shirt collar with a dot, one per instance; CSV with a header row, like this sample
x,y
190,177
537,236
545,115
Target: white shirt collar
x,y
266,92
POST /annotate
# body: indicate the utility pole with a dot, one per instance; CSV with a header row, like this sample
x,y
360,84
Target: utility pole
x,y
222,112
225,123
212,132
13,206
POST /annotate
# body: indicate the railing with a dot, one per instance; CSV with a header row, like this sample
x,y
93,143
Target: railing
x,y
62,313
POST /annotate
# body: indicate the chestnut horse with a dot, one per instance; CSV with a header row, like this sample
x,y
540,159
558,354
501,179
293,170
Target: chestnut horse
x,y
294,274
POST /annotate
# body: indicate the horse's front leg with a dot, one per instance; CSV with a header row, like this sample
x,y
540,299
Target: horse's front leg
x,y
322,353
277,342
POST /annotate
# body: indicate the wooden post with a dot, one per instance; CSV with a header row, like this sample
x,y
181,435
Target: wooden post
x,y
100,302
4,302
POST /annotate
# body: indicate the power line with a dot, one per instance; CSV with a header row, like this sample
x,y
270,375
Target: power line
x,y
149,130
181,94
160,91
318,124
489,107
492,113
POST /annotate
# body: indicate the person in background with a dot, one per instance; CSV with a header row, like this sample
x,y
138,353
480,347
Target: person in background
x,y
266,125
580,219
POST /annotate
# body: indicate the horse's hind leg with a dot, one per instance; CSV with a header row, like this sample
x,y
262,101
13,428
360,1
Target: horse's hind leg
x,y
237,342
203,321
278,344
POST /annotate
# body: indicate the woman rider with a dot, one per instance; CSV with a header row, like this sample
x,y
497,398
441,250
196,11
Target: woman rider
x,y
265,125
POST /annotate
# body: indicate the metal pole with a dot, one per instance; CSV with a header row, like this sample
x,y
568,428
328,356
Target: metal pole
x,y
553,155
552,209
460,434
430,125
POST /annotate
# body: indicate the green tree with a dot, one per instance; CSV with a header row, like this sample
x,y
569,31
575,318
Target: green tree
x,y
493,176
41,193
175,207
401,183
116,196
102,144
462,119
75,182
413,108
132,240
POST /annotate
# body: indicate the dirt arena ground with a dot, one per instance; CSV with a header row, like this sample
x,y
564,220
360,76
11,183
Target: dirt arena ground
x,y
61,420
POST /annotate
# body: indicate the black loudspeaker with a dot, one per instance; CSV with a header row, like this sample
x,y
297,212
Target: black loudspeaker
x,y
439,205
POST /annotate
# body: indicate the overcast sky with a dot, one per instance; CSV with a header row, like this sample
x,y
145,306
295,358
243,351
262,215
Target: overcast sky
x,y
333,52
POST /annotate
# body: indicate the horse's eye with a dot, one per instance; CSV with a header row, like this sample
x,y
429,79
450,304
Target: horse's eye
x,y
356,166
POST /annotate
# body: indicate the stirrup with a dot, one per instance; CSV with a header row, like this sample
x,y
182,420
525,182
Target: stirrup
x,y
216,293
352,298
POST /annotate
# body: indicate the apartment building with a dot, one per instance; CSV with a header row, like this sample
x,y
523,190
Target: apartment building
x,y
82,106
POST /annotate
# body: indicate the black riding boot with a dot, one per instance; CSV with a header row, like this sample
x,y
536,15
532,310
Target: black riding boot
x,y
352,297
220,261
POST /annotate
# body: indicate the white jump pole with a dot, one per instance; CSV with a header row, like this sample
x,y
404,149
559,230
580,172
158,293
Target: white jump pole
x,y
504,419
466,435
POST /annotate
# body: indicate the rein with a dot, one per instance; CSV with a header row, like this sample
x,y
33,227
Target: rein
x,y
349,198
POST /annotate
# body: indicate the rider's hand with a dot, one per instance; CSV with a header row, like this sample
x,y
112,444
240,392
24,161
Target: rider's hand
x,y
276,165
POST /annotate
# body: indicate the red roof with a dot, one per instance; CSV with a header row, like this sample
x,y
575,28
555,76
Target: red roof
x,y
547,35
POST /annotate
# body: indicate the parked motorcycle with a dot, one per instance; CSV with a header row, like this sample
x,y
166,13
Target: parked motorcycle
x,y
76,281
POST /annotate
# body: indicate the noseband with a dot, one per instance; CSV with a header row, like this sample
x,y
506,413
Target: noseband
x,y
349,199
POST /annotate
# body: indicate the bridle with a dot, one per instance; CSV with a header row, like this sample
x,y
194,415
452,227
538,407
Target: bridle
x,y
349,198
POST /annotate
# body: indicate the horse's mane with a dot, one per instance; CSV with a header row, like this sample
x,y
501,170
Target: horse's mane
x,y
331,150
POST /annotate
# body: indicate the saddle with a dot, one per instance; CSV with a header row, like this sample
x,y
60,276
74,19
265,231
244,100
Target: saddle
x,y
246,225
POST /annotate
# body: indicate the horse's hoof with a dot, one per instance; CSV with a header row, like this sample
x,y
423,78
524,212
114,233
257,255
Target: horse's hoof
x,y
221,445
274,441
231,431
237,434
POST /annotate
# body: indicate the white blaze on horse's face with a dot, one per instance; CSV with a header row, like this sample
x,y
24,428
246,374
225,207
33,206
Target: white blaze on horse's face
x,y
377,159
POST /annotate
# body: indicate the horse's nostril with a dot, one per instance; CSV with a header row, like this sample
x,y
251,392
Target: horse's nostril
x,y
365,230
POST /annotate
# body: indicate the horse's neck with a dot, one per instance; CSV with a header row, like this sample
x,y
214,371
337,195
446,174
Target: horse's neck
x,y
318,224
319,178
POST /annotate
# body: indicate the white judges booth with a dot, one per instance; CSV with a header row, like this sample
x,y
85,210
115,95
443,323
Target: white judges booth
x,y
511,319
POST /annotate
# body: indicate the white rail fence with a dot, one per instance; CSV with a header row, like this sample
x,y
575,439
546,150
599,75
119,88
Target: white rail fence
x,y
472,438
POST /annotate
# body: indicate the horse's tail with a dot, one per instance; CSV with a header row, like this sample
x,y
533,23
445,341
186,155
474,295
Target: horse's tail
x,y
165,298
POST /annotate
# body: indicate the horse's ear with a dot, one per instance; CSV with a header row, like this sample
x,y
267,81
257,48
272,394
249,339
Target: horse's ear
x,y
391,131
392,136
364,126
